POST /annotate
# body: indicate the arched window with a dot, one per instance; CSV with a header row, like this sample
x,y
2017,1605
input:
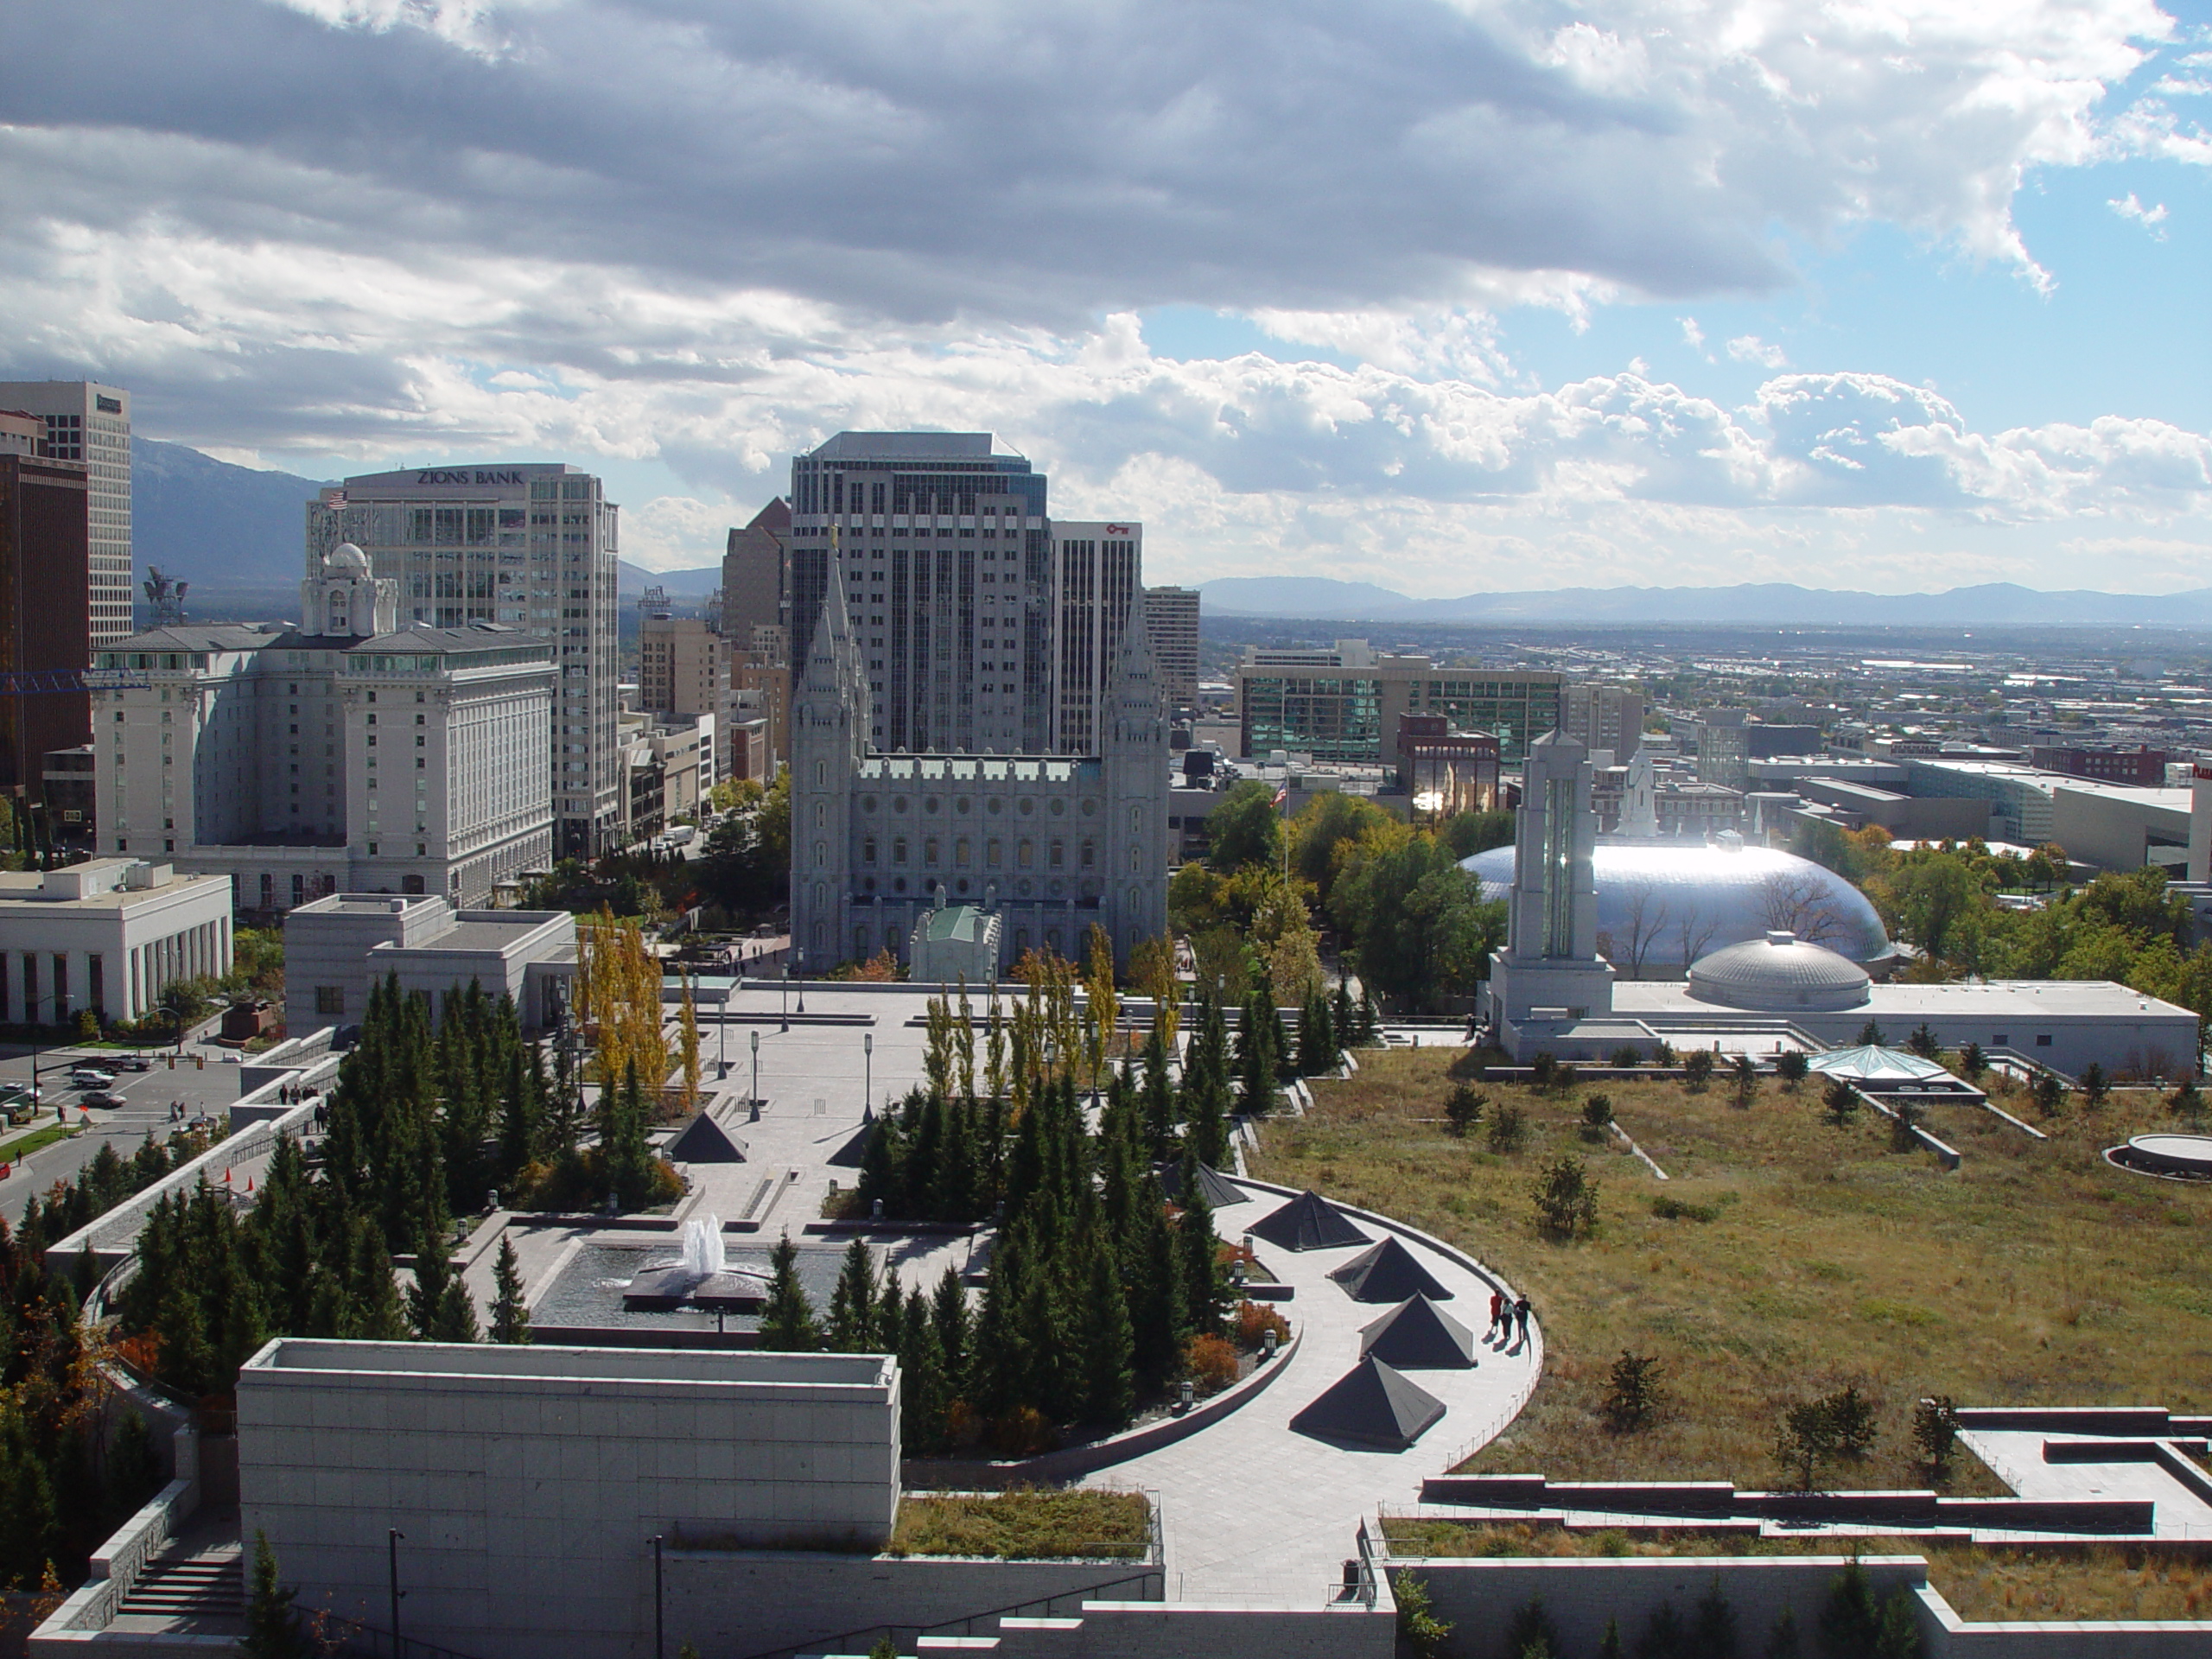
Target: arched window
x,y
821,853
1056,855
867,851
930,853
1089,854
995,854
821,813
898,850
821,775
1025,854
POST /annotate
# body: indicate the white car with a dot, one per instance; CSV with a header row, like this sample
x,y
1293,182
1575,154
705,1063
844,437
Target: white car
x,y
85,1077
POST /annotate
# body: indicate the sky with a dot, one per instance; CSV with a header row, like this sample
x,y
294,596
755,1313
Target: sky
x,y
1451,295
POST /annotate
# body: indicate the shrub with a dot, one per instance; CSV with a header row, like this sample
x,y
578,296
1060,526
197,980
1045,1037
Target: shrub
x,y
1633,1393
1697,1067
2187,1103
1464,1108
1745,1074
1627,1054
1424,1632
1935,1431
1509,1131
1816,1432
1565,1199
2050,1094
1902,1138
1870,1036
1662,1053
1597,1118
1973,1061
1211,1363
1682,1210
1564,1078
1254,1320
1542,1071
1530,1631
1856,1624
1792,1067
1923,1042
2097,1088
1841,1102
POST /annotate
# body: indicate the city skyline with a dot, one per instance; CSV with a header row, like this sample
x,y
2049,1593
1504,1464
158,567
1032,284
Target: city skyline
x,y
1516,300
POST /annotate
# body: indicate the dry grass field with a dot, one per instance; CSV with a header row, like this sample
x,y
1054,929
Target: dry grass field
x,y
1025,1525
1981,1584
1794,1256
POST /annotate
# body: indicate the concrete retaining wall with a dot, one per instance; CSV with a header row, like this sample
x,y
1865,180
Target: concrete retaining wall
x,y
1946,1635
1580,1595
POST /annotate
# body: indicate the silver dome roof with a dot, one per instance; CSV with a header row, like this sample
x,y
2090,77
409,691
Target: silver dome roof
x,y
1779,973
1661,905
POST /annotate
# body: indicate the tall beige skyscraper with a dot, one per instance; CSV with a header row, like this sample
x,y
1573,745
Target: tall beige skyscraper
x,y
87,422
1171,616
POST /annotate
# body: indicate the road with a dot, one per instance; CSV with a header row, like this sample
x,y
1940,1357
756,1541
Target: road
x,y
149,1095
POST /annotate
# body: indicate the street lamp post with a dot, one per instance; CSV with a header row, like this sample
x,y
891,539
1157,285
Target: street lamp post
x,y
755,1095
867,1062
787,995
721,1039
392,1535
801,955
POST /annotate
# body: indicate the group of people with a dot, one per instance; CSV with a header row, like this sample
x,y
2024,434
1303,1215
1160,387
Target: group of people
x,y
1505,1314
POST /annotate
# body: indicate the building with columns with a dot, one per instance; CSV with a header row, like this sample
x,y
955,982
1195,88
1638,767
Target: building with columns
x,y
352,753
110,936
1048,844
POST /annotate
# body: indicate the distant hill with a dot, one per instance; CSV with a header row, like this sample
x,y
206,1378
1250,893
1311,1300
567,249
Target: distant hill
x,y
1783,604
632,581
220,527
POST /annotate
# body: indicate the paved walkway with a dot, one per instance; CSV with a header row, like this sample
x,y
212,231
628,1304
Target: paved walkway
x,y
2015,1456
1254,1511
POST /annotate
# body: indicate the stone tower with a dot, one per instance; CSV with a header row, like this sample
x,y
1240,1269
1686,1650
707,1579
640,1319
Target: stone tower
x,y
340,600
829,714
1133,756
1550,975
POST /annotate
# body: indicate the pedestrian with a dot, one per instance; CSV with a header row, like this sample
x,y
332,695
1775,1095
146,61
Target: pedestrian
x,y
1496,1313
1521,1312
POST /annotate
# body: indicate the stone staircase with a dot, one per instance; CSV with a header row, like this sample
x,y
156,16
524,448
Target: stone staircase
x,y
210,1585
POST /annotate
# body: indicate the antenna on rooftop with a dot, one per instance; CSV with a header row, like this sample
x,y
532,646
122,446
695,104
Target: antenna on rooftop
x,y
166,596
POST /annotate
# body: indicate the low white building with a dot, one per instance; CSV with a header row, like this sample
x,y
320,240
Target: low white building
x,y
108,935
350,753
527,1483
337,947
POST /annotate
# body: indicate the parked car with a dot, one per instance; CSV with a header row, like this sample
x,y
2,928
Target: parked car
x,y
104,1100
132,1062
85,1077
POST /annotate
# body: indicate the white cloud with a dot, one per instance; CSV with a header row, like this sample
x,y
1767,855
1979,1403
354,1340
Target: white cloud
x,y
1693,336
2151,218
1749,348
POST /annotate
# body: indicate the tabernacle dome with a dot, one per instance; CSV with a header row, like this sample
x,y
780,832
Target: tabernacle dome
x,y
1663,904
1780,974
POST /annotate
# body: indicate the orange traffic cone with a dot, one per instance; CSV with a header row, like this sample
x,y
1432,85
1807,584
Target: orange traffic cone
x,y
226,1178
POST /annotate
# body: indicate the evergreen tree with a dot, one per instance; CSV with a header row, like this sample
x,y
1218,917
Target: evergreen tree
x,y
1317,1043
922,1380
949,1320
1256,1060
629,1159
852,1303
1203,1294
788,1317
510,1313
373,1304
890,1312
426,1297
272,1628
1159,1096
1109,1343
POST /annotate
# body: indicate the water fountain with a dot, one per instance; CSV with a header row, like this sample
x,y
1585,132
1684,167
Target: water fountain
x,y
699,1277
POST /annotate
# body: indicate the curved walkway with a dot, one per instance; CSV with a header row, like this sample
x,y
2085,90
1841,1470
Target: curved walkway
x,y
1252,1510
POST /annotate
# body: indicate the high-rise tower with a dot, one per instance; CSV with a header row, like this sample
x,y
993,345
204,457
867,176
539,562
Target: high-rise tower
x,y
90,422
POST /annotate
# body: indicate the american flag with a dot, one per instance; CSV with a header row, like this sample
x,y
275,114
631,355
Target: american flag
x,y
1281,795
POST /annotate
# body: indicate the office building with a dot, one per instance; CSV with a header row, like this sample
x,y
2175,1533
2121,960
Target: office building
x,y
2142,768
1607,718
683,666
1094,577
1723,752
1050,844
356,752
530,547
1342,703
756,575
1172,614
110,936
45,604
949,570
90,423
1443,771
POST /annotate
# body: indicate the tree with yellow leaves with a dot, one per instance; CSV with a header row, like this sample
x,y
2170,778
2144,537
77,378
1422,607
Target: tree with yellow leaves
x,y
688,1038
1152,971
618,1000
1102,1016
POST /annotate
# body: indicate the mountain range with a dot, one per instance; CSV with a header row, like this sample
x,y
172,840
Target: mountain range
x,y
1780,604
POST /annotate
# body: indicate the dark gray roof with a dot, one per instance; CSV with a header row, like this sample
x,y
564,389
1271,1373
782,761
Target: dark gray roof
x,y
421,636
1389,1272
1417,1335
206,636
1309,1221
1212,1186
1370,1405
904,446
704,1141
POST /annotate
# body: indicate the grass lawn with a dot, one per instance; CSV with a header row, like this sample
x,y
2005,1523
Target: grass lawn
x,y
23,1145
2036,1273
1981,1584
1026,1526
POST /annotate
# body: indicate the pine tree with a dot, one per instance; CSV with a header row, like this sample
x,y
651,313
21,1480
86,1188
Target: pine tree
x,y
1157,1304
1158,1096
788,1317
456,1316
923,1383
1201,1269
272,1628
852,1303
1317,1042
374,1313
1108,1342
949,1319
1255,1059
510,1313
433,1273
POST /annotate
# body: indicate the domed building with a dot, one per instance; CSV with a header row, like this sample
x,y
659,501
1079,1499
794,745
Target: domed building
x,y
1780,973
1664,905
